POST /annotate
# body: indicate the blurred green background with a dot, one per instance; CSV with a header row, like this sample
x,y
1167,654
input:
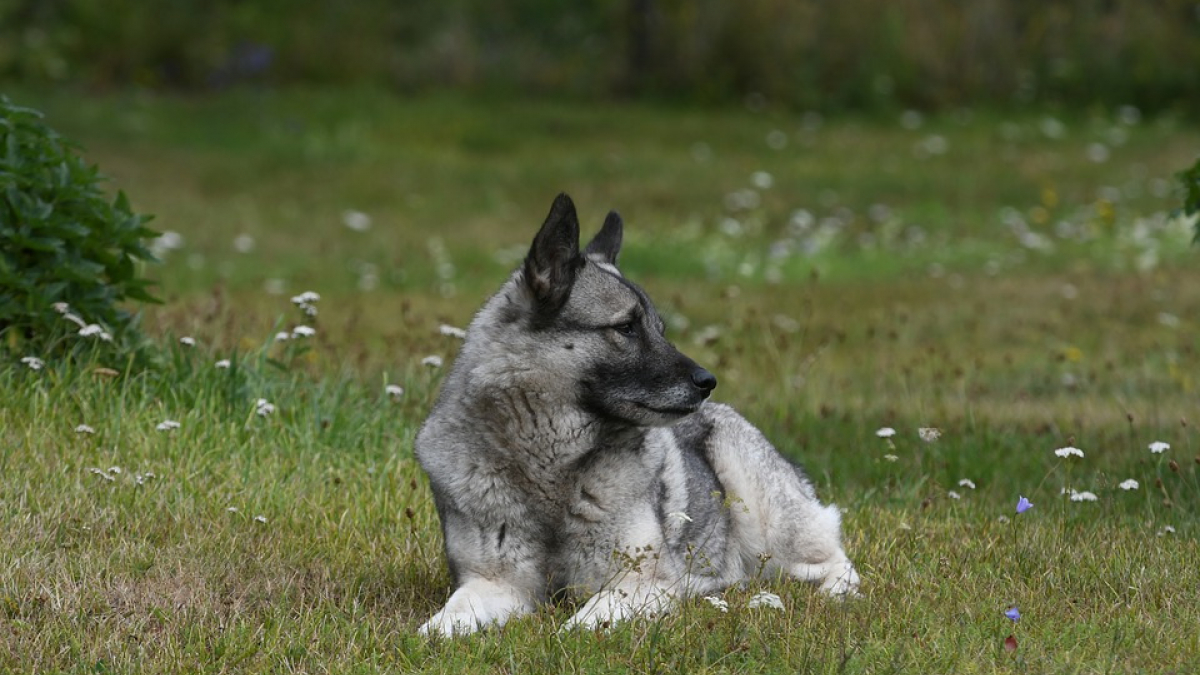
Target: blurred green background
x,y
854,54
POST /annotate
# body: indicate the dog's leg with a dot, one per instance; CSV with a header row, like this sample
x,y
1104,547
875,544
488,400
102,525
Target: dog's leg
x,y
622,602
477,604
810,549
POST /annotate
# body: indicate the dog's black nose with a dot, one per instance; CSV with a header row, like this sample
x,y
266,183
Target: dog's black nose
x,y
704,379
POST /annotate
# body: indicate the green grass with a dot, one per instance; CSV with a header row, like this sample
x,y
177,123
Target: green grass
x,y
1011,351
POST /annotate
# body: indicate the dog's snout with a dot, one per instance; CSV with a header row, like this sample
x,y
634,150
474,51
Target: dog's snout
x,y
704,379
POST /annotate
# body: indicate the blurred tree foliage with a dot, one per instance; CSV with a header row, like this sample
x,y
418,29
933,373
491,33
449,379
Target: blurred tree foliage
x,y
803,53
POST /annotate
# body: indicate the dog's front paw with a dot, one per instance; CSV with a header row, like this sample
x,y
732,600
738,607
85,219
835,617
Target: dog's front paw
x,y
450,624
607,608
841,581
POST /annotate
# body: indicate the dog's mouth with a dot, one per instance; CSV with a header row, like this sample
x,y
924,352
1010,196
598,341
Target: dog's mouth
x,y
669,411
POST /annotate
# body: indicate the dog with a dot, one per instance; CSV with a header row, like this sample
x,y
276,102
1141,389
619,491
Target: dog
x,y
572,450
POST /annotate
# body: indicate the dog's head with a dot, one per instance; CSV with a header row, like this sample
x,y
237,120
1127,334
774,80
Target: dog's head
x,y
607,335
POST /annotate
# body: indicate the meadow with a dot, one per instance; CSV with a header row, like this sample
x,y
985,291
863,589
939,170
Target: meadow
x,y
1014,280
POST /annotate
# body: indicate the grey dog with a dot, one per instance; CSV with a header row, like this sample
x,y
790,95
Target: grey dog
x,y
572,450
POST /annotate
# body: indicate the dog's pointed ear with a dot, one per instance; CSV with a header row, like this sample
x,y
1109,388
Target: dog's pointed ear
x,y
607,244
554,258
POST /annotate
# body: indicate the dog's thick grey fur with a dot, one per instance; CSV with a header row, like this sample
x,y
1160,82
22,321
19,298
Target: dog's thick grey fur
x,y
572,450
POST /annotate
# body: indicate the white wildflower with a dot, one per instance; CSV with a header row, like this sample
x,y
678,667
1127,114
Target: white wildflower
x,y
1069,452
953,495
282,335
929,434
84,429
187,341
306,298
1159,447
891,458
1084,496
33,362
432,361
263,407
1167,529
243,243
141,478
75,319
1129,484
717,602
1002,519
680,516
95,329
61,307
114,470
167,425
394,390
885,432
223,363
303,331
356,220
231,509
452,331
102,473
967,483
260,519
765,599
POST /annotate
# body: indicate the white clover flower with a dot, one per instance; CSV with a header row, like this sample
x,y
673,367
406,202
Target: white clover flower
x,y
33,362
929,434
967,483
762,180
84,429
953,495
1159,447
1129,484
282,335
303,331
885,432
680,516
223,363
432,361
260,519
890,457
263,407
356,220
452,331
717,602
167,425
765,599
394,390
187,341
1084,496
1069,452
95,329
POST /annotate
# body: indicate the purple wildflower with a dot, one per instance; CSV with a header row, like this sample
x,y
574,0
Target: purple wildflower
x,y
1013,614
1023,505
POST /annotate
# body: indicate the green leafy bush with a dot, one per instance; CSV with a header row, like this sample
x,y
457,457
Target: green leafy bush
x,y
68,255
1190,180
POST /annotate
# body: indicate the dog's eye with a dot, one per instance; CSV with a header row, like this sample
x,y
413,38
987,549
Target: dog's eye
x,y
628,329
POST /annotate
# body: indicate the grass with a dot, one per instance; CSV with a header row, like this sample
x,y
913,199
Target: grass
x,y
940,310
